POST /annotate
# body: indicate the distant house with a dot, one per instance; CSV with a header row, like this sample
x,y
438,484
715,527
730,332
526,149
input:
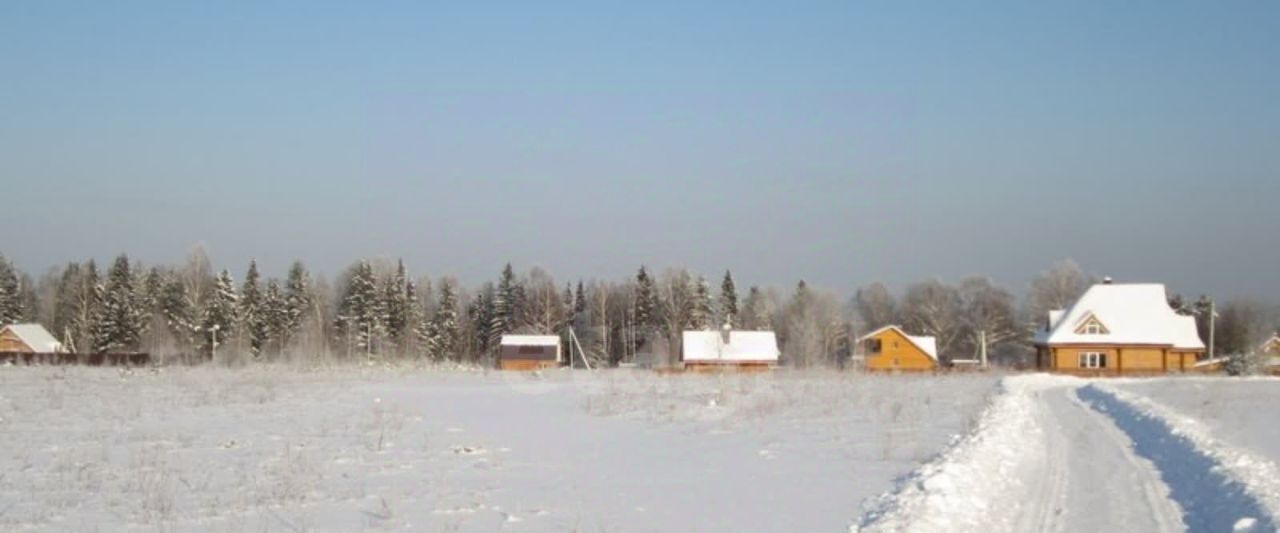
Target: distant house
x,y
28,338
729,349
1120,329
1270,351
529,352
892,349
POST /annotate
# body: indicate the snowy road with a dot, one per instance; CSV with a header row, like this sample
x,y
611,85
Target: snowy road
x,y
1064,455
1089,478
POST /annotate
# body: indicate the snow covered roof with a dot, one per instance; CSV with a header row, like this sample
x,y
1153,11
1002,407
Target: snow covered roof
x,y
36,337
743,346
530,340
1126,313
926,344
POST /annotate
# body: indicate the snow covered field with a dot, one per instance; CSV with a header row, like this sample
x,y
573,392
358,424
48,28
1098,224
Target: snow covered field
x,y
1242,412
374,448
352,449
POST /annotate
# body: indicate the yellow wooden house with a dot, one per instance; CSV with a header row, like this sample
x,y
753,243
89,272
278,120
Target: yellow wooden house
x,y
1118,329
890,349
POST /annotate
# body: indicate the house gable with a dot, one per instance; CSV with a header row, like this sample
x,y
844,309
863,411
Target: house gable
x,y
11,342
1090,325
28,338
890,348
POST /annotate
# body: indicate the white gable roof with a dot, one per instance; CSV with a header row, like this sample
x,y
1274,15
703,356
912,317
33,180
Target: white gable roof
x,y
35,336
926,344
530,340
1132,313
743,347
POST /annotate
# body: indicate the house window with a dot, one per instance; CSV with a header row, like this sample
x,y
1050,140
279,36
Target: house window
x,y
1092,326
873,346
531,350
1093,360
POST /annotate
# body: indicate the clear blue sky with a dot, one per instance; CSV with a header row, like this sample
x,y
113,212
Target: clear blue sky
x,y
840,142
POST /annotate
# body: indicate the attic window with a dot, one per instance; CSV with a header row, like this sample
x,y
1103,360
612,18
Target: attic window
x,y
1092,326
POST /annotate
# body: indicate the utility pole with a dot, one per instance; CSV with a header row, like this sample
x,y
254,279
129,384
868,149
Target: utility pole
x,y
583,354
1213,319
982,347
213,347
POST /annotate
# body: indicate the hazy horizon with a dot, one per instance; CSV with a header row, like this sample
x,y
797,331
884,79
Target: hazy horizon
x,y
840,144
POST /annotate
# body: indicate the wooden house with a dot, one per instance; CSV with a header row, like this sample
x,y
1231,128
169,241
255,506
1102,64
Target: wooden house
x,y
1118,329
28,338
729,350
529,352
1270,352
890,349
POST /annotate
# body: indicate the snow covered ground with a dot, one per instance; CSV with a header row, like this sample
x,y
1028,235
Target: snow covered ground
x,y
1060,454
375,448
350,449
1235,410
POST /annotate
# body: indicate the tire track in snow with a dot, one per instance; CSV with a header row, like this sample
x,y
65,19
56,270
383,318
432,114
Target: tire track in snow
x,y
1049,481
1110,488
1041,460
1210,499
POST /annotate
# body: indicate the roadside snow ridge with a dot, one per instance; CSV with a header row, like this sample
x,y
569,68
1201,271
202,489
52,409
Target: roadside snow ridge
x,y
958,491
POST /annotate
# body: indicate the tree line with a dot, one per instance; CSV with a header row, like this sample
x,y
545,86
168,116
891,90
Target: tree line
x,y
376,309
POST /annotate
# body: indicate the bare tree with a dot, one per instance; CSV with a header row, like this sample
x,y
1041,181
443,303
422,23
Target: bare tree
x,y
988,311
600,338
1056,288
876,306
197,275
675,301
934,308
1243,325
543,308
815,328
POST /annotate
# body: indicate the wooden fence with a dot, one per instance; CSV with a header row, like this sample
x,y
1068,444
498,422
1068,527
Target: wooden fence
x,y
86,359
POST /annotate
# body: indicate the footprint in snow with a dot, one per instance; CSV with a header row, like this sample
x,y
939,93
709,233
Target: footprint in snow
x,y
469,450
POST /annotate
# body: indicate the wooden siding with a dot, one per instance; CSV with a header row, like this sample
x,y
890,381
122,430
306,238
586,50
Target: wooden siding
x,y
897,353
744,366
63,358
1120,359
9,342
526,365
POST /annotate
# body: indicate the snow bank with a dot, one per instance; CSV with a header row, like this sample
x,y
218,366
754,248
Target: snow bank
x,y
1256,473
961,489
